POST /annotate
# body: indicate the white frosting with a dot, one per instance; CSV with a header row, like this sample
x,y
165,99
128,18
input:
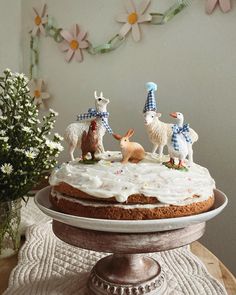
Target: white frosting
x,y
60,196
109,178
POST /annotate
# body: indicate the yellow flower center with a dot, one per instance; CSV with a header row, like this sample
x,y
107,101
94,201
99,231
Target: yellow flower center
x,y
37,93
74,44
132,18
37,20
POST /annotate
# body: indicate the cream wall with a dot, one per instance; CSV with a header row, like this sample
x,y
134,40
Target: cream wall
x,y
193,60
10,35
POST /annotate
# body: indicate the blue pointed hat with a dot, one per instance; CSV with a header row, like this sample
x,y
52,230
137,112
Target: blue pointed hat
x,y
150,104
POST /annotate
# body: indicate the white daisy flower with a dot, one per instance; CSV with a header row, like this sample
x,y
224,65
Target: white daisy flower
x,y
2,132
31,121
31,154
7,168
50,144
17,117
26,129
58,136
7,71
23,76
4,138
19,150
58,146
53,112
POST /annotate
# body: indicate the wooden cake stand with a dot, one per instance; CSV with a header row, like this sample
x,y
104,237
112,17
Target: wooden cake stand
x,y
127,271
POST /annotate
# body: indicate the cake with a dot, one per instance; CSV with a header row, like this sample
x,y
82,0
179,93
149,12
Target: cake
x,y
109,189
131,184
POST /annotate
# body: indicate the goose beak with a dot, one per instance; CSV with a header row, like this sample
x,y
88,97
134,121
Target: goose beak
x,y
174,115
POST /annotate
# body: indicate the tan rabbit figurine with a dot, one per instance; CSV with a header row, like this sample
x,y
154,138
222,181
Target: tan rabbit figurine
x,y
131,151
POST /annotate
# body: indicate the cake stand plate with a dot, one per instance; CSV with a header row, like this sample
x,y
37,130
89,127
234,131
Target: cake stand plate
x,y
129,226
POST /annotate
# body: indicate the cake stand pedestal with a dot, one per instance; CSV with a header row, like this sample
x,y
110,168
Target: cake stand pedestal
x,y
128,271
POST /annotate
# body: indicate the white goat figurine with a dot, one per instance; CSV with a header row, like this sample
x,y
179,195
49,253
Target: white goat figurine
x,y
160,133
74,131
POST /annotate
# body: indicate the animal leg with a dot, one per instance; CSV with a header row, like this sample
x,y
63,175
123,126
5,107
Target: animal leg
x,y
154,149
181,164
100,147
125,159
93,155
190,155
71,152
161,150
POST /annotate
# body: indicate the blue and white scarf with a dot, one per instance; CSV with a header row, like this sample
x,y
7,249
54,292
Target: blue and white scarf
x,y
180,130
92,113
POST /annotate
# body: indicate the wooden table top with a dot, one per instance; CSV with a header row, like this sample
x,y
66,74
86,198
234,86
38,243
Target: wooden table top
x,y
215,267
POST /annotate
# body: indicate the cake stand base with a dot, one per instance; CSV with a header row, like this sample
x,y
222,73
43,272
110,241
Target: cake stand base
x,y
127,271
127,274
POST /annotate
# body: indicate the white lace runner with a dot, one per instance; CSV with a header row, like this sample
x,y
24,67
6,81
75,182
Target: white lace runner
x,y
49,266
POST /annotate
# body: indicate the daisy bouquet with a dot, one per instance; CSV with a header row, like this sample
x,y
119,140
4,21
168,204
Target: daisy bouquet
x,y
26,152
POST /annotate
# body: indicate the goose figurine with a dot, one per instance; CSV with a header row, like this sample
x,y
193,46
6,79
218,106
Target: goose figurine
x,y
180,144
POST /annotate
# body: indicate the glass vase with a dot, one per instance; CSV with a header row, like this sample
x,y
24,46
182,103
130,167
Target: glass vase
x,y
9,227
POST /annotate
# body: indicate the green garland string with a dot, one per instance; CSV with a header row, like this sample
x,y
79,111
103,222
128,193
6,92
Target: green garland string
x,y
112,44
34,56
163,18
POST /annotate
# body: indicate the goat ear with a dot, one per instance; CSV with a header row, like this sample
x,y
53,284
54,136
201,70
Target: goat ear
x,y
95,94
117,136
159,115
101,94
129,133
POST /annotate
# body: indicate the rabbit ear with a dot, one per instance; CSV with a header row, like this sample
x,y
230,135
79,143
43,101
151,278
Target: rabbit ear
x,y
129,133
95,94
117,136
101,94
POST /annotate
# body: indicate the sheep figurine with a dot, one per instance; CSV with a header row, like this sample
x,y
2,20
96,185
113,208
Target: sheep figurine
x,y
131,151
74,131
159,133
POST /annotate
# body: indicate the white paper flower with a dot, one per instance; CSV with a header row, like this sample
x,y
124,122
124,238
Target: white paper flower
x,y
7,168
40,20
73,43
133,18
37,90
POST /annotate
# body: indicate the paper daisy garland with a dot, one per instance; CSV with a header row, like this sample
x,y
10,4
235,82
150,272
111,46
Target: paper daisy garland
x,y
133,17
40,20
37,90
74,41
